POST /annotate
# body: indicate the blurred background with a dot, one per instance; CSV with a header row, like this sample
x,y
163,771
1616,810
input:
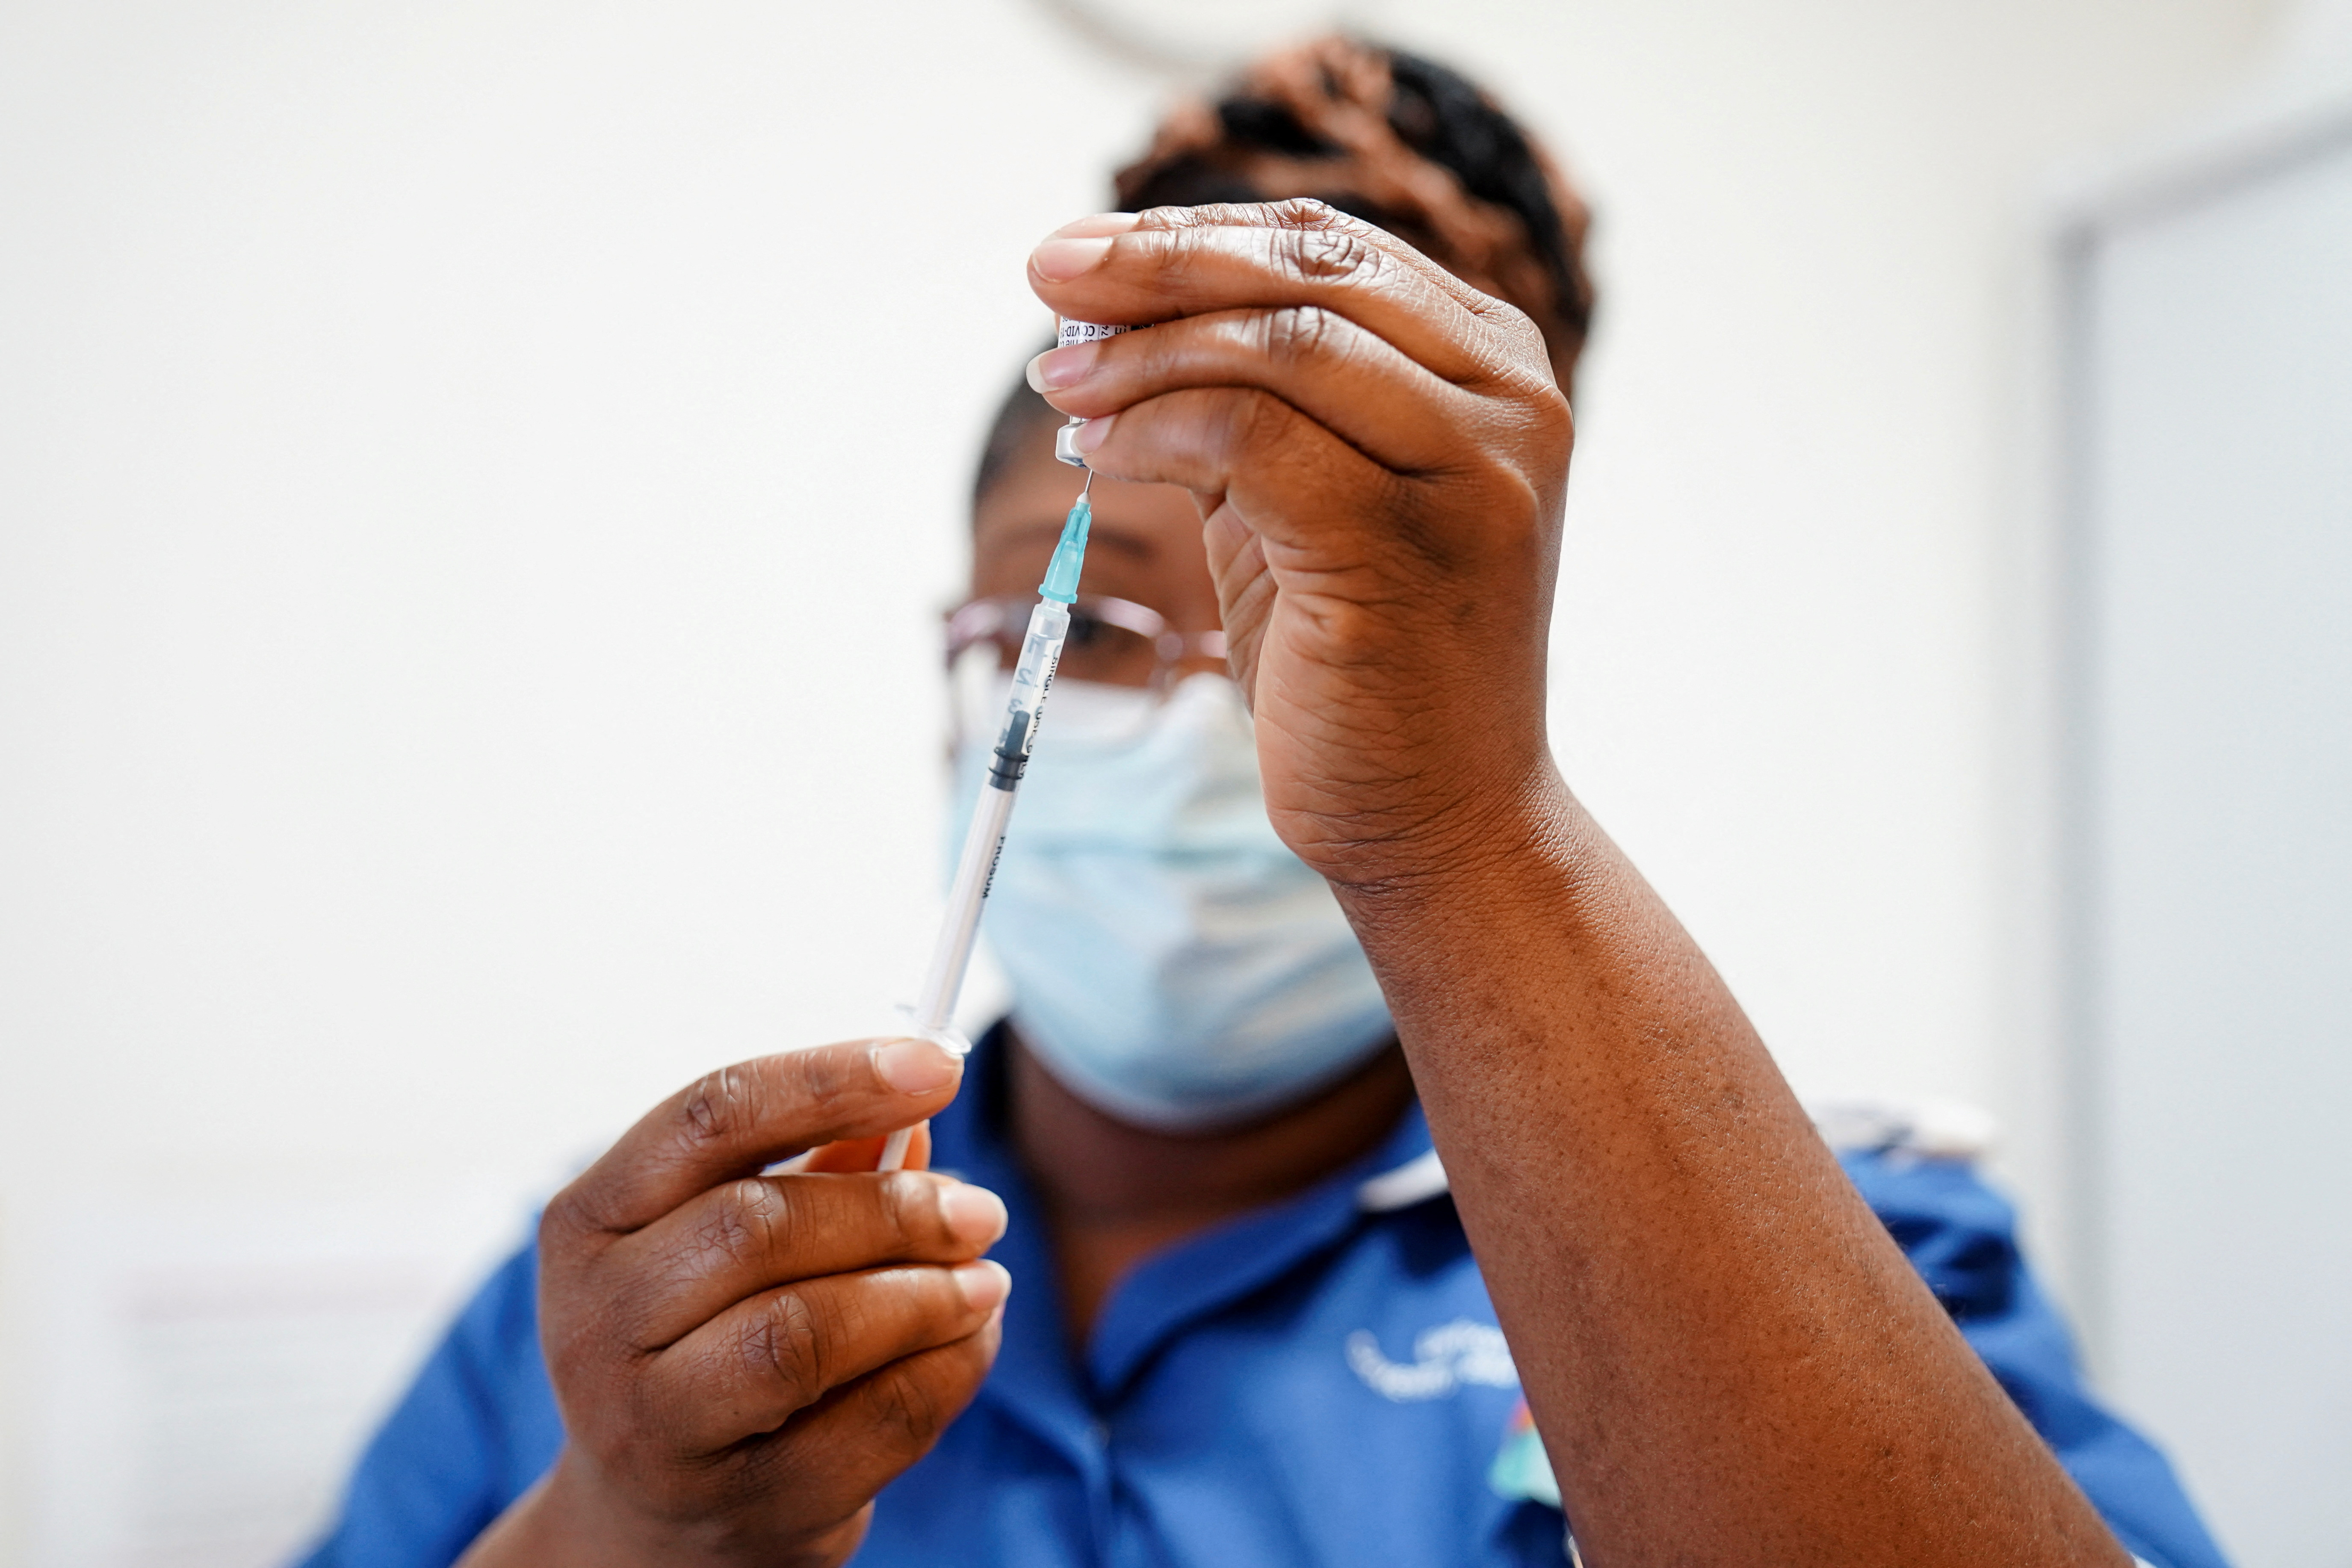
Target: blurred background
x,y
477,483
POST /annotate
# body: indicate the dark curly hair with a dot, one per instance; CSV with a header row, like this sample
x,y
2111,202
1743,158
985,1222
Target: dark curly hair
x,y
1389,137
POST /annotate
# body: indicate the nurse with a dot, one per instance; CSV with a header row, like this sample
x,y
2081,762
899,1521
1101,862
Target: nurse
x,y
1374,1170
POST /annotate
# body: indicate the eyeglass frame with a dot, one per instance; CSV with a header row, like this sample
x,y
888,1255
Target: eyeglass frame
x,y
1007,616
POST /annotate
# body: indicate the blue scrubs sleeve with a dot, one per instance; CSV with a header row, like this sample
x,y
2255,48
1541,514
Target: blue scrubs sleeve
x,y
473,1433
1962,1237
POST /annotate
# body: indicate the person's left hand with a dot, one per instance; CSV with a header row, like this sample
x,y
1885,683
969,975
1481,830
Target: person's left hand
x,y
1380,454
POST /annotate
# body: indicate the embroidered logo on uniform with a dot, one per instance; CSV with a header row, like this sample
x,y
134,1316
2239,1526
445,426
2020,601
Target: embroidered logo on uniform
x,y
1443,1359
1522,1470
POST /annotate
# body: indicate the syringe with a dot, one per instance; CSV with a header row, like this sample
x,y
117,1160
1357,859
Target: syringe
x,y
1033,675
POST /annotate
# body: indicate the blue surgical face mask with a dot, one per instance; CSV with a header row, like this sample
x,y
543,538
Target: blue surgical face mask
x,y
1173,962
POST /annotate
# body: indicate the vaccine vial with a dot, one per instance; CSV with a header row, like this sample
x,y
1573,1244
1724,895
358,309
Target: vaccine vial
x,y
1070,333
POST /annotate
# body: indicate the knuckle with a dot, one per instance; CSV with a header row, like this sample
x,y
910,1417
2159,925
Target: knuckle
x,y
585,1209
1508,320
1175,219
1555,420
1181,253
1307,212
1526,336
568,1213
1255,419
903,1404
752,1220
1297,333
824,1081
910,1207
1328,255
715,1108
1526,358
784,1345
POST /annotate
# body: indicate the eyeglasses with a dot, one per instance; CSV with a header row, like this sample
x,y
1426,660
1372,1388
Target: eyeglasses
x,y
1115,642
1112,642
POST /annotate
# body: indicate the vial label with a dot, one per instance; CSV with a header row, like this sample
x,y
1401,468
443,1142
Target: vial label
x,y
1084,332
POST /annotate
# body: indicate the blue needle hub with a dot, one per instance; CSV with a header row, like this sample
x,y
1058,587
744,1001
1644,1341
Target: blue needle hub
x,y
1061,583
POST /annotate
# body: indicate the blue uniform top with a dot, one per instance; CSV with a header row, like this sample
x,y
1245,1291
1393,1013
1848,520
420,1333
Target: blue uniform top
x,y
1321,1382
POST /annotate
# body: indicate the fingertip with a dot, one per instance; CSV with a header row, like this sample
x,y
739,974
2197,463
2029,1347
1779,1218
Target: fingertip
x,y
1059,260
1096,224
916,1067
973,1215
985,1284
1058,369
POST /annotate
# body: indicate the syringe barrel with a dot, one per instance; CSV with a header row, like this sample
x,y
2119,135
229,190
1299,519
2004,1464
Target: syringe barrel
x,y
1041,650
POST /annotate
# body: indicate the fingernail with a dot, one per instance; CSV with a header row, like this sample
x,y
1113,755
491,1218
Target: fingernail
x,y
975,1215
1059,260
1057,368
1097,224
984,1284
1092,434
916,1067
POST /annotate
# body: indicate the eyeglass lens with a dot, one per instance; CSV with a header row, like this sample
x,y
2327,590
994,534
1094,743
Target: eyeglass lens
x,y
1109,654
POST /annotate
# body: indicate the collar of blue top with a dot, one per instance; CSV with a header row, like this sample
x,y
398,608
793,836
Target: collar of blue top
x,y
1183,1284
1037,1384
1194,1278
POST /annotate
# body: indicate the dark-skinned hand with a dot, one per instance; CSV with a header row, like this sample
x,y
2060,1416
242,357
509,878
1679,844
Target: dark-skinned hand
x,y
743,1359
1380,454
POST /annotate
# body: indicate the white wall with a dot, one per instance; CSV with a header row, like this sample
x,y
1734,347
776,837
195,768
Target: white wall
x,y
444,448
2214,349
2209,334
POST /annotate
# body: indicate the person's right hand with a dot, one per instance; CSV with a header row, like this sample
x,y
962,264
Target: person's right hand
x,y
743,1360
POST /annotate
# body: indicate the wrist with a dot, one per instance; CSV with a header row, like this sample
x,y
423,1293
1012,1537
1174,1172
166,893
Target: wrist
x,y
1486,903
1475,824
575,1517
567,1518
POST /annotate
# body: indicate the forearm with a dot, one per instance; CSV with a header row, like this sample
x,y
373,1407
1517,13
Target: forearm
x,y
1731,1361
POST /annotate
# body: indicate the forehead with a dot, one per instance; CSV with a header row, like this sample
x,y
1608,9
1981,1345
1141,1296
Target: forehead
x,y
1145,543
